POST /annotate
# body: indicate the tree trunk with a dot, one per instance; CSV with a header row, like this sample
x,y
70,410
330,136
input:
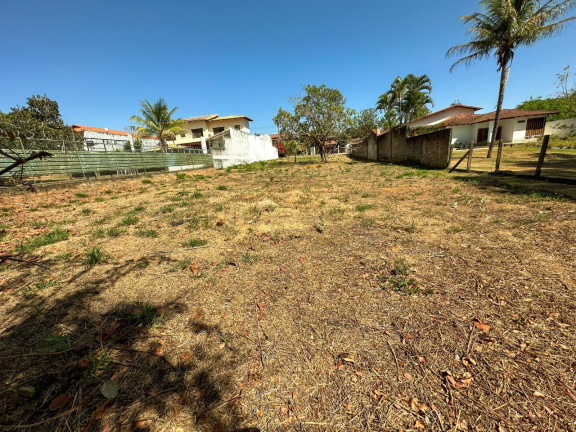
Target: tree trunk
x,y
504,74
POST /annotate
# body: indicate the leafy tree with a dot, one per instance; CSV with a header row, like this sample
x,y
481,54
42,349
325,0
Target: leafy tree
x,y
386,103
294,147
318,115
567,93
38,121
407,99
565,102
364,123
503,26
156,120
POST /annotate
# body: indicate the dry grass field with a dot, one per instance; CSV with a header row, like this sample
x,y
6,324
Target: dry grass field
x,y
349,296
523,159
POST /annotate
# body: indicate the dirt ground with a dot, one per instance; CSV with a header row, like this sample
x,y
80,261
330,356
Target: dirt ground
x,y
348,296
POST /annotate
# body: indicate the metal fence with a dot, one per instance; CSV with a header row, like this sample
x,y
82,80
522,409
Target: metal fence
x,y
547,158
68,161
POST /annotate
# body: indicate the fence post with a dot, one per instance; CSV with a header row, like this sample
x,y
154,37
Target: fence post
x,y
498,157
79,159
469,164
543,151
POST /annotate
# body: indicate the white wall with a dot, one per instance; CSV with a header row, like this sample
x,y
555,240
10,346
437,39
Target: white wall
x,y
562,128
208,128
437,118
462,134
242,148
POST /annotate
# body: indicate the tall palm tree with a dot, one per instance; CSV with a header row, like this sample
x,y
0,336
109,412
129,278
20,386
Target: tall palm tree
x,y
407,96
387,103
156,119
417,96
503,26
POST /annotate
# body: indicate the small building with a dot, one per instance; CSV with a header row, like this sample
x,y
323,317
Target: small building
x,y
467,126
197,130
104,139
236,147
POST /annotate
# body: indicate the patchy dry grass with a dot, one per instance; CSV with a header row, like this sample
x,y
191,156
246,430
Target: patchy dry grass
x,y
342,297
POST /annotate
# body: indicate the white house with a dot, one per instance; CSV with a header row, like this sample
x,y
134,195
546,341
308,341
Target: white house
x,y
197,130
235,147
467,126
104,139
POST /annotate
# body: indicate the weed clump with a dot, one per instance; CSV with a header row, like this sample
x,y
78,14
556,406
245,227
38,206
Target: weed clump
x,y
399,279
94,256
55,236
194,243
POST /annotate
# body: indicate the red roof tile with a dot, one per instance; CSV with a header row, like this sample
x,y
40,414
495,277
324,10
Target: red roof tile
x,y
475,108
466,119
79,128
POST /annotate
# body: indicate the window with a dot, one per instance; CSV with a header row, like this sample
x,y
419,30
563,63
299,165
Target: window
x,y
535,127
197,133
218,130
237,127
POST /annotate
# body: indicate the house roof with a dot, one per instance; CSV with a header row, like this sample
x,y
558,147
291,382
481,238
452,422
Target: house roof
x,y
233,117
204,117
80,128
466,119
215,117
475,108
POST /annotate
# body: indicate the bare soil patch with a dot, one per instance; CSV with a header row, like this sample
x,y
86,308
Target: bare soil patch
x,y
280,296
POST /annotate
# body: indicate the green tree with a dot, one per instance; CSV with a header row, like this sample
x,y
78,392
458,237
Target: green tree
x,y
38,121
386,103
565,101
293,147
503,26
567,93
407,99
318,115
363,123
156,120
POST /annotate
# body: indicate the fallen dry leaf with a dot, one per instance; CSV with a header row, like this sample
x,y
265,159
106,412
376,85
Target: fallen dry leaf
x,y
261,308
60,401
481,325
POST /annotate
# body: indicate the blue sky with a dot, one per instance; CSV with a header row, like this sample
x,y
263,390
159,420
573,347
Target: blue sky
x,y
97,59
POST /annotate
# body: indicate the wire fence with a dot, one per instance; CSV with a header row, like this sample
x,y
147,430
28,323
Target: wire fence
x,y
546,158
74,160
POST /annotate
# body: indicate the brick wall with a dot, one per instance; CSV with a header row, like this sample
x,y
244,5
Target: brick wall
x,y
430,150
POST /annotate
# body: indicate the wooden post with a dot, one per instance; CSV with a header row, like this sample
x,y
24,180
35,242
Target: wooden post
x,y
460,161
498,157
469,164
542,155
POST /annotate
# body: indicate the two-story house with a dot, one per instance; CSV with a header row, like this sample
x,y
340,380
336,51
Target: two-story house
x,y
201,128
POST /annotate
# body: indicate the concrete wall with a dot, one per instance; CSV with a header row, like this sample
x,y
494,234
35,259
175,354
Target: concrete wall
x,y
562,128
431,150
239,147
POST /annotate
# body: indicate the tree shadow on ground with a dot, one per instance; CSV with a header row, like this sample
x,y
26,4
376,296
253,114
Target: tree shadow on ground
x,y
63,358
519,185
